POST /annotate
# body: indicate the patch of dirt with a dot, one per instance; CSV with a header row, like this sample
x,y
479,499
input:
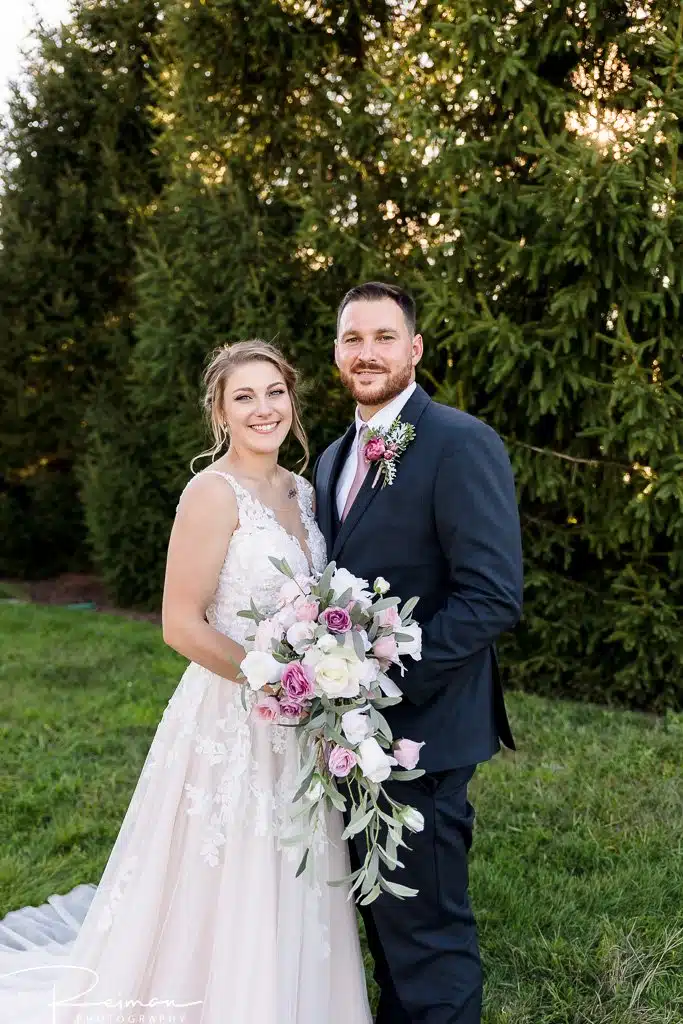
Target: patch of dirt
x,y
71,588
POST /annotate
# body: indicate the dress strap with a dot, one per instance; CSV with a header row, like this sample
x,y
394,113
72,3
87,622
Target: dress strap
x,y
248,506
305,493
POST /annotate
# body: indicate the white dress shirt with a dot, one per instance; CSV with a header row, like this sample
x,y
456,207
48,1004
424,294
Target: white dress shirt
x,y
383,419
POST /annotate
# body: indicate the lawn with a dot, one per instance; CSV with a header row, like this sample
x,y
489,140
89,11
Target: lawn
x,y
577,865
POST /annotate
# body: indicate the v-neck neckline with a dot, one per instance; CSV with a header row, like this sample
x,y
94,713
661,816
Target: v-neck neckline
x,y
305,549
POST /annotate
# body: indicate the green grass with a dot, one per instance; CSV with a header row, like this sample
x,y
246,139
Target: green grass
x,y
577,866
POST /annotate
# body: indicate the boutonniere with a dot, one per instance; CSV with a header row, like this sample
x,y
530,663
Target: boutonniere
x,y
385,447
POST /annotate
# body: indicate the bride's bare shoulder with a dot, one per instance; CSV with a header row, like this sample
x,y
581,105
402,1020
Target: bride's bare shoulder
x,y
208,492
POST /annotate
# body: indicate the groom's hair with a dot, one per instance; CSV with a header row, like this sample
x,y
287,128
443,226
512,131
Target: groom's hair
x,y
371,291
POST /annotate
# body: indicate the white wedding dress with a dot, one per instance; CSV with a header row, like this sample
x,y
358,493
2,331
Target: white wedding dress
x,y
198,917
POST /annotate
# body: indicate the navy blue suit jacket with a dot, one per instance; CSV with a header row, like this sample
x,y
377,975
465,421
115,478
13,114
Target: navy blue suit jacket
x,y
446,531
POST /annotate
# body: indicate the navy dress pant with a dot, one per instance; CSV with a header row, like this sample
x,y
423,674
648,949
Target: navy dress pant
x,y
425,947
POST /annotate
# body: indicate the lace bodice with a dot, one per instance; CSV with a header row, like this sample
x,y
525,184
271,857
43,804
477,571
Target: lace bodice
x,y
247,573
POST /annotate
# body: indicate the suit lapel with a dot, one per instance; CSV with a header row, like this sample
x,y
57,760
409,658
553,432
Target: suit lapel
x,y
328,483
411,412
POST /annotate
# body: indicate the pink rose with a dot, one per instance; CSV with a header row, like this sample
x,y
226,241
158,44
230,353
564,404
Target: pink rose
x,y
290,708
266,631
407,753
306,610
390,617
266,708
337,620
385,650
340,762
375,449
297,681
389,454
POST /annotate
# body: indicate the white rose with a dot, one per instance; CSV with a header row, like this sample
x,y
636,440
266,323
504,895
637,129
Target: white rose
x,y
261,669
300,635
412,819
336,675
356,724
413,647
374,763
266,631
327,643
381,586
343,580
370,674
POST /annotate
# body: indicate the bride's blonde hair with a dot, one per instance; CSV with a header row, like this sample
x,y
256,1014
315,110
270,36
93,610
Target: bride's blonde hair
x,y
222,362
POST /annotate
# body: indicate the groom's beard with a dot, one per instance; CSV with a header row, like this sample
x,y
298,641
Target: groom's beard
x,y
388,386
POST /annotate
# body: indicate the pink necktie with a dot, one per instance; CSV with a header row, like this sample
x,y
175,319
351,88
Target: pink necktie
x,y
362,467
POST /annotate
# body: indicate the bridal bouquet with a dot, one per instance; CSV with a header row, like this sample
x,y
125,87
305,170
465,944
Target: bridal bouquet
x,y
319,664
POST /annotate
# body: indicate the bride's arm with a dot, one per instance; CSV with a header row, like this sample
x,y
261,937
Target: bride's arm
x,y
204,524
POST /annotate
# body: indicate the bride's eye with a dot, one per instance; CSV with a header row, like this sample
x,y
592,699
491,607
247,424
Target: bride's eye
x,y
274,394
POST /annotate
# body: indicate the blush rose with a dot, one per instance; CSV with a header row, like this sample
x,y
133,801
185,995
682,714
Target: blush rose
x,y
297,681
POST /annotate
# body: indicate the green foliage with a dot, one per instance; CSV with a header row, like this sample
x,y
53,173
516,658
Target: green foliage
x,y
77,171
256,103
575,879
557,260
516,166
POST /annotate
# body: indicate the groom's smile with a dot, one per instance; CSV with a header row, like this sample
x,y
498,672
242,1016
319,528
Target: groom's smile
x,y
376,352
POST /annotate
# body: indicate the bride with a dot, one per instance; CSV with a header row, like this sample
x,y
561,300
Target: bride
x,y
198,917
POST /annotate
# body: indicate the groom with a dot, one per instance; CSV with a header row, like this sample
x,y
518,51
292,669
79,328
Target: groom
x,y
447,531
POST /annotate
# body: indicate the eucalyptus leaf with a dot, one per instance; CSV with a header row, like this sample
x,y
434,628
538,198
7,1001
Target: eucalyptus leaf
x,y
323,584
354,827
344,598
336,737
303,788
391,862
302,866
357,615
334,795
401,891
385,702
407,775
384,603
382,725
335,883
281,658
372,896
408,609
281,565
358,645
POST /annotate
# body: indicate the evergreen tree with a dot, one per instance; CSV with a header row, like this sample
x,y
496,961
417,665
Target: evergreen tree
x,y
280,198
513,164
78,171
556,291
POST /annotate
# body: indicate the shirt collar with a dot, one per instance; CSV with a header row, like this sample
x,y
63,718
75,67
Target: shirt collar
x,y
385,417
